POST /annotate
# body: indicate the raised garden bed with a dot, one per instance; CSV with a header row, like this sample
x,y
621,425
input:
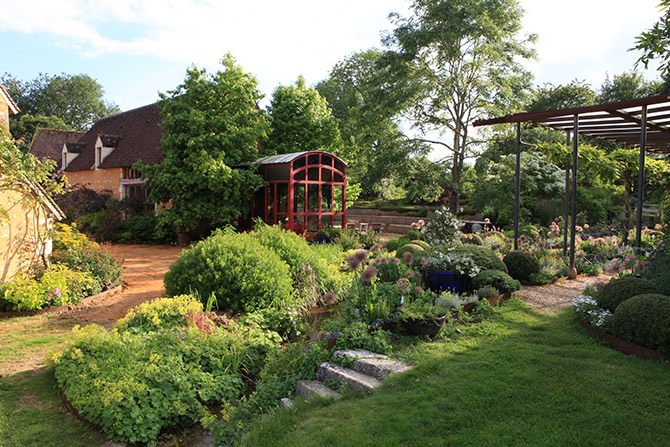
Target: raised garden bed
x,y
622,346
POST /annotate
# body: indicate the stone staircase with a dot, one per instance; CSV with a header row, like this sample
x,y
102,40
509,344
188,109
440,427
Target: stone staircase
x,y
366,373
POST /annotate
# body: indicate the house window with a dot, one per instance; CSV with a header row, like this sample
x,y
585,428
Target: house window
x,y
98,156
130,173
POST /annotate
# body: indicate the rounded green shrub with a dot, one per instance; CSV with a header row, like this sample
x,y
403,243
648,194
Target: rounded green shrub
x,y
619,290
495,278
411,247
290,247
520,265
421,243
484,257
644,320
240,272
487,292
161,313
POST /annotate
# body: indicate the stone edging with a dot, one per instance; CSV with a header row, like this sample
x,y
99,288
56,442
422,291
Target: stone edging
x,y
64,307
622,346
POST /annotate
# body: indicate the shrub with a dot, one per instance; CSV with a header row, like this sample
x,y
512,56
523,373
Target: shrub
x,y
290,247
619,290
645,320
483,257
395,244
473,239
161,313
67,237
356,336
136,385
411,247
98,261
487,292
521,264
495,278
240,272
92,221
551,267
443,228
289,324
57,286
420,243
658,270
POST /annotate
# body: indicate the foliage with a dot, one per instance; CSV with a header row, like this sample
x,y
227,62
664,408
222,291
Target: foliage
x,y
211,124
161,313
495,278
77,201
551,267
67,237
521,264
426,180
628,85
653,43
420,309
300,121
134,386
552,97
355,336
588,309
485,292
289,324
240,272
644,320
25,126
454,301
291,248
465,56
658,270
483,257
98,261
463,264
76,99
619,290
57,286
146,229
442,229
408,248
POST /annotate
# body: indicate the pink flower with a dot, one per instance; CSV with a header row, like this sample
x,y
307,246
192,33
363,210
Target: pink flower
x,y
56,292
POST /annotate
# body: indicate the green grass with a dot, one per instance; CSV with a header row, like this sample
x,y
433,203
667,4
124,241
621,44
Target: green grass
x,y
522,378
32,414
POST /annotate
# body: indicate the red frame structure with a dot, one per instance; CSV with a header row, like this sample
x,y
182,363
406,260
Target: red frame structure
x,y
305,192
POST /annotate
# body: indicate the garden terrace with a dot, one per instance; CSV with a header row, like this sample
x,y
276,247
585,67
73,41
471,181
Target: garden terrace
x,y
641,122
305,192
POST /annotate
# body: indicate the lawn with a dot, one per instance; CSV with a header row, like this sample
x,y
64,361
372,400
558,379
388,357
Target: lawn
x,y
523,379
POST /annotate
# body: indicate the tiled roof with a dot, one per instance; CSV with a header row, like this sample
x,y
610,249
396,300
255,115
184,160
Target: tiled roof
x,y
137,134
13,108
48,143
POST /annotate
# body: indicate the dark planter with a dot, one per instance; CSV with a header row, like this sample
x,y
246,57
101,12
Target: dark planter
x,y
323,240
441,281
424,326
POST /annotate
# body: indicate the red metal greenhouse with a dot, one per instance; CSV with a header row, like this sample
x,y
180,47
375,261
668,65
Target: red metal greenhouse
x,y
305,192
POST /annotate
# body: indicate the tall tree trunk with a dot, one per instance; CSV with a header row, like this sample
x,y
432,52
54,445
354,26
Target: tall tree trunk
x,y
456,170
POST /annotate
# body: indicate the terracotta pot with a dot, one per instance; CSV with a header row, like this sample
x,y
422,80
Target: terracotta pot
x,y
494,300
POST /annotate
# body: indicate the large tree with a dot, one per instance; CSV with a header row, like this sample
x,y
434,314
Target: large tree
x,y
78,100
369,101
212,124
655,42
466,54
300,120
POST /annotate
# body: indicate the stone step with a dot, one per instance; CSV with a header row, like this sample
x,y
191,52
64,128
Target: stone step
x,y
310,388
351,377
376,365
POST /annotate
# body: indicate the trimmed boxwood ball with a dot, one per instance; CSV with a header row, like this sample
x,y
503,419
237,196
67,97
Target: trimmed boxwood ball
x,y
520,265
484,257
411,247
495,278
420,243
644,320
239,270
619,290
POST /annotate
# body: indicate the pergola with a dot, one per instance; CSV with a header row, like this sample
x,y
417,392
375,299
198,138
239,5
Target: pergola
x,y
643,123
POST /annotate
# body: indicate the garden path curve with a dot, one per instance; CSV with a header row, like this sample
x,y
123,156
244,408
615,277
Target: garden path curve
x,y
552,298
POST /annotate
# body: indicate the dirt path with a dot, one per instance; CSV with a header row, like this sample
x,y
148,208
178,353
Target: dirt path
x,y
142,281
553,298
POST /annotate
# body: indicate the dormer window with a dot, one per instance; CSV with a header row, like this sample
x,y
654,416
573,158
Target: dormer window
x,y
104,146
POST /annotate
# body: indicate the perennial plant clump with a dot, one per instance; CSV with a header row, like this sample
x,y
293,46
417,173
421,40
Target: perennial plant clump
x,y
443,228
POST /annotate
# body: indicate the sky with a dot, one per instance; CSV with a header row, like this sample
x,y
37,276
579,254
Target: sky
x,y
137,48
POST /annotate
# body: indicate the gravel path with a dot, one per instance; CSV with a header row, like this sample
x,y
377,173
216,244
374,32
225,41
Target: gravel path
x,y
553,298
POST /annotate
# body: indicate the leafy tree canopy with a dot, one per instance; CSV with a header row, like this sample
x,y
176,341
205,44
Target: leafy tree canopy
x,y
301,121
655,42
466,54
628,85
78,100
551,97
212,124
25,126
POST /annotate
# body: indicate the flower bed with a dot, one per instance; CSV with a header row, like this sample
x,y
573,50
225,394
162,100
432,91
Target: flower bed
x,y
622,346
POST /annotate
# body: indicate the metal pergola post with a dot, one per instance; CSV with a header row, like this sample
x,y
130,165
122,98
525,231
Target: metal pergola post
x,y
567,198
573,229
517,186
640,179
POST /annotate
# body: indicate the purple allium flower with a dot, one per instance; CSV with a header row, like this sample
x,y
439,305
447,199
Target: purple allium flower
x,y
369,273
408,257
361,254
418,290
375,247
394,260
403,285
329,298
353,262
